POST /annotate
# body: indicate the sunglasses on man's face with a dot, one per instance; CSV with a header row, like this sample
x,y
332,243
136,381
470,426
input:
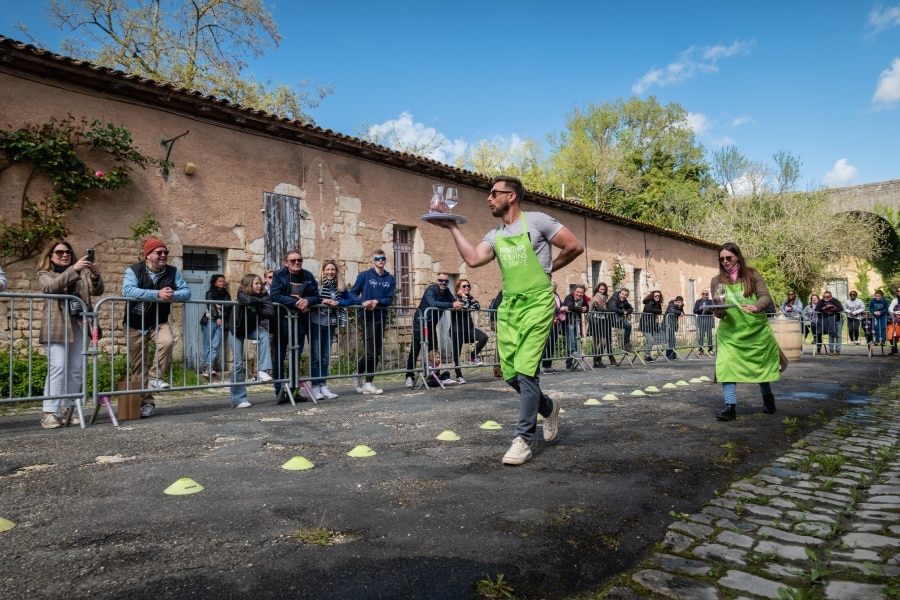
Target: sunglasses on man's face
x,y
444,281
295,261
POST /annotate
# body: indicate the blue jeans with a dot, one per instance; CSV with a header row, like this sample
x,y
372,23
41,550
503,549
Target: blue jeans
x,y
238,369
319,352
212,337
730,391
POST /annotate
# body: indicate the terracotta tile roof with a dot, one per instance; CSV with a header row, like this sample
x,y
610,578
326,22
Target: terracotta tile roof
x,y
28,60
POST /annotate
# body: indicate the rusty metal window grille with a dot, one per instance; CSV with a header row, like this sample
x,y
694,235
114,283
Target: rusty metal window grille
x,y
403,264
201,261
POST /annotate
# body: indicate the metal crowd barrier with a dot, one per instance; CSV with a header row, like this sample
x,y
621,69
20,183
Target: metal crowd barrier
x,y
23,316
451,342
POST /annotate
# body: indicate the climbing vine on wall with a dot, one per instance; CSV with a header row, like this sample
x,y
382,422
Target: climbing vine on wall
x,y
55,150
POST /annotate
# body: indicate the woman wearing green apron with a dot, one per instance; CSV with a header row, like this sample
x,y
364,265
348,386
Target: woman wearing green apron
x,y
522,246
747,349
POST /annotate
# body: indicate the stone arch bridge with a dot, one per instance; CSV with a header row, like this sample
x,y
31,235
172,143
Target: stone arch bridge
x,y
866,196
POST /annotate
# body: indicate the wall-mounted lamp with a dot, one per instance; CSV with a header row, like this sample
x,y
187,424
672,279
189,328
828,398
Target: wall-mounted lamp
x,y
170,142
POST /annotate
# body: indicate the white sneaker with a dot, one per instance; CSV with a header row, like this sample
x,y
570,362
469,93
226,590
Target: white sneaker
x,y
519,453
158,384
370,390
327,393
409,382
316,394
460,380
244,404
147,410
263,376
551,423
358,384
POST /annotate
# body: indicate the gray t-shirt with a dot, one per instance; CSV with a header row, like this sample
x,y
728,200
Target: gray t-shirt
x,y
541,226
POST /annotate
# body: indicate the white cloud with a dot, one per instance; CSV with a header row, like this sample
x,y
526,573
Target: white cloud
x,y
888,91
692,61
881,18
698,123
403,134
842,174
741,121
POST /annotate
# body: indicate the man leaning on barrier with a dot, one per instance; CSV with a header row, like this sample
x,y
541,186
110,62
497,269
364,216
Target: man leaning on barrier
x,y
152,279
296,289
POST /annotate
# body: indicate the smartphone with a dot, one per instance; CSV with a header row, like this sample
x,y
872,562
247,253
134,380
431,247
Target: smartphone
x,y
90,254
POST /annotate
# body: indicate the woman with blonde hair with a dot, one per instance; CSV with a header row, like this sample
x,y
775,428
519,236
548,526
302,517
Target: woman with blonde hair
x,y
323,320
62,324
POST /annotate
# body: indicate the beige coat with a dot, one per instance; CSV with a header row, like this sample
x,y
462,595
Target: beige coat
x,y
57,326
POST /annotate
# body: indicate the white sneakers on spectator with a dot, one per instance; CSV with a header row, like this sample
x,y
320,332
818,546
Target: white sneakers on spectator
x,y
358,384
323,389
263,376
316,394
460,380
409,382
157,384
370,390
50,421
243,404
147,410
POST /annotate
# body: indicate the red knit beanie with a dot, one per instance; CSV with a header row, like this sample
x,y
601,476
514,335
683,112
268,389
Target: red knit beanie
x,y
152,244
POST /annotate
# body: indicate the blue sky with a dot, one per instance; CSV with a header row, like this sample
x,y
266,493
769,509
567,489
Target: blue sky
x,y
817,78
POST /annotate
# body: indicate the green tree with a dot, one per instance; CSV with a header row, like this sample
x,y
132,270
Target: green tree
x,y
634,157
54,150
200,45
522,159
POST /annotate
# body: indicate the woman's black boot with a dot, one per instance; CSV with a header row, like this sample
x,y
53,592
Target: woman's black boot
x,y
727,414
769,403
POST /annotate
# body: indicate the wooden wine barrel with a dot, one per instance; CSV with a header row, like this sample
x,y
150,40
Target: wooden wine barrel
x,y
789,335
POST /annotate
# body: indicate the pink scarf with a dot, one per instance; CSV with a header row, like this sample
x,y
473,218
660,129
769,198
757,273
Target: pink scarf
x,y
733,271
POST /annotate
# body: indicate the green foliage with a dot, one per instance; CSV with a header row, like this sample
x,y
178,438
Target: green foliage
x,y
618,273
494,589
53,149
21,378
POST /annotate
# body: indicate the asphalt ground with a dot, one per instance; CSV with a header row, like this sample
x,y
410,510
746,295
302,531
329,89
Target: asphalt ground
x,y
422,518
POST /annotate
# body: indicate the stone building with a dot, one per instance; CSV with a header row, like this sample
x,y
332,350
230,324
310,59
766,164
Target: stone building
x,y
247,185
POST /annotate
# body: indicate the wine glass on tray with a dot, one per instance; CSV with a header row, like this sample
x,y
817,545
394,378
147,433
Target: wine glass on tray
x,y
719,294
451,199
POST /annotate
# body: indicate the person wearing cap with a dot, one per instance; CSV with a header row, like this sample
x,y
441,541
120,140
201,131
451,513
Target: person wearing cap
x,y
156,284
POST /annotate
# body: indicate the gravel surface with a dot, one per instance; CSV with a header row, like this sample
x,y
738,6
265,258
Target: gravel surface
x,y
422,518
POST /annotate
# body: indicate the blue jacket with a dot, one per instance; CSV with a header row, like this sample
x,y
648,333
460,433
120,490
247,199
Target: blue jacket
x,y
372,286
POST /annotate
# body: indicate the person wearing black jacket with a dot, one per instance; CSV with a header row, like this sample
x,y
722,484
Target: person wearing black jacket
x,y
574,305
254,309
620,305
437,295
830,309
705,321
673,313
213,322
653,306
296,289
463,330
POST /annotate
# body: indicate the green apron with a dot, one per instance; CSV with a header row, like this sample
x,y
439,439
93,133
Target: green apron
x,y
526,313
747,351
